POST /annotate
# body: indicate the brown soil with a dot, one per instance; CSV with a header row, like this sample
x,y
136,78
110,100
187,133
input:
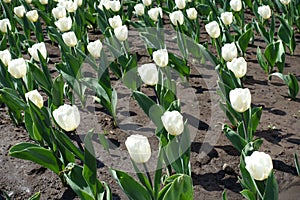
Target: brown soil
x,y
210,148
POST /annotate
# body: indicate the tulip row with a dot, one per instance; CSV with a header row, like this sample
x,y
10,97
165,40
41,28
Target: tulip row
x,y
67,23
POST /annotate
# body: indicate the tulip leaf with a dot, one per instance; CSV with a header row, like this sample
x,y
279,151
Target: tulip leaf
x,y
58,92
179,65
256,113
132,188
297,164
248,194
286,34
150,40
271,190
291,81
224,195
142,178
37,154
36,196
261,61
40,77
245,39
237,141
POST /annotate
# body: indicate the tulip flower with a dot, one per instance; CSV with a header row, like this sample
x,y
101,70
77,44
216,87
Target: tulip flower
x,y
5,57
64,24
44,2
236,5
173,122
227,18
19,11
240,99
17,68
161,57
154,13
148,74
115,21
213,29
285,2
264,11
35,97
59,12
192,13
115,5
95,48
104,3
147,2
139,148
70,39
71,6
121,33
180,4
67,117
139,9
177,18
33,51
32,15
28,1
229,51
259,165
238,66
4,25
6,1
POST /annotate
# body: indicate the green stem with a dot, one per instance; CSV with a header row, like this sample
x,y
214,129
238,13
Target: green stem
x,y
148,174
245,127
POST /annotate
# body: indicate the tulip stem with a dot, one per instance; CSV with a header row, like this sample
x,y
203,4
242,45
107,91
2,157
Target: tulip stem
x,y
148,174
245,127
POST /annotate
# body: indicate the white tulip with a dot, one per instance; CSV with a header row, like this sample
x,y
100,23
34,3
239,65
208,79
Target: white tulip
x,y
154,13
115,21
240,99
19,11
95,48
227,18
35,97
192,13
64,24
229,51
285,2
71,6
70,39
176,18
139,9
213,29
264,11
121,33
44,2
5,57
6,1
161,57
28,1
104,3
238,66
78,2
180,4
148,73
115,5
67,117
236,5
33,51
147,2
4,24
17,68
32,15
173,122
138,148
59,12
259,165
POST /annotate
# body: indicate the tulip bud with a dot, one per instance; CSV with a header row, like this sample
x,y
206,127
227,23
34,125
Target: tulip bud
x,y
44,2
229,51
104,3
285,2
180,4
138,148
240,99
192,13
176,18
213,29
19,11
64,24
28,1
264,11
115,5
148,74
71,6
236,5
32,15
67,117
95,48
35,97
115,21
161,57
259,165
154,12
17,68
5,57
147,2
4,24
139,9
121,33
173,122
59,12
238,66
227,18
70,39
33,51
6,1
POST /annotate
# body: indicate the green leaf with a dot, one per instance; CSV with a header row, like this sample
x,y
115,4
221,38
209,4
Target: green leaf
x,y
224,195
237,141
40,77
248,194
37,154
103,141
271,190
291,81
255,117
261,61
36,196
297,164
132,188
58,92
245,39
